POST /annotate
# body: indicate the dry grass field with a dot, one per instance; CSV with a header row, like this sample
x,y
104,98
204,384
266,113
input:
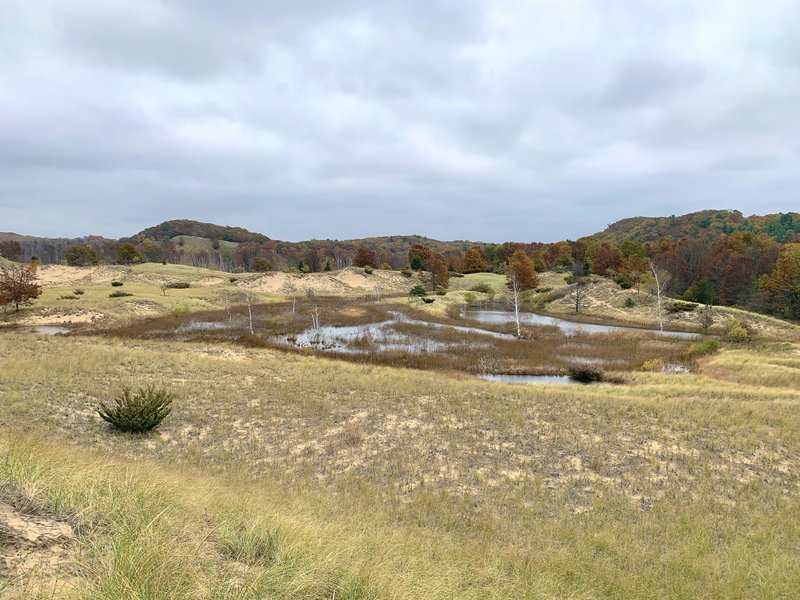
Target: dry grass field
x,y
288,475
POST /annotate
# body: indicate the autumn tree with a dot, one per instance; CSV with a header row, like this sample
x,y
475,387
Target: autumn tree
x,y
17,285
437,275
365,257
783,284
261,265
81,255
419,256
474,261
520,276
580,290
10,249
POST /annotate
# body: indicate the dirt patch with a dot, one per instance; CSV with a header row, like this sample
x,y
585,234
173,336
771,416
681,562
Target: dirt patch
x,y
36,550
61,317
61,275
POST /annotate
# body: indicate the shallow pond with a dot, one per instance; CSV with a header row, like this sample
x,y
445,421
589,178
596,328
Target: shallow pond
x,y
356,339
542,379
568,327
40,330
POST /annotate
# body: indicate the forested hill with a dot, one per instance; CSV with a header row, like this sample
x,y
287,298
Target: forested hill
x,y
704,224
170,229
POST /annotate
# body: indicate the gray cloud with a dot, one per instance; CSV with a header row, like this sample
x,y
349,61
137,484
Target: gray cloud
x,y
494,121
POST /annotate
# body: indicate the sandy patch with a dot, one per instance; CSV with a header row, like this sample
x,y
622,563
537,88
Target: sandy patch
x,y
349,280
35,552
62,318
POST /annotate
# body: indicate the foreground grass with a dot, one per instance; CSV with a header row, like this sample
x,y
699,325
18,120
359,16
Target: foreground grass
x,y
290,476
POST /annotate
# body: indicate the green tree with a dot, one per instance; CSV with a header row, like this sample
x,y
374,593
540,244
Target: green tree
x,y
81,255
128,254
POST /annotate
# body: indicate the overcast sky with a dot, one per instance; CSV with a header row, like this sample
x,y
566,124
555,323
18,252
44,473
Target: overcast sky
x,y
494,120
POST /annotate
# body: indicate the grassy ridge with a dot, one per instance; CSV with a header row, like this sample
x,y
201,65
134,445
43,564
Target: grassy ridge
x,y
291,476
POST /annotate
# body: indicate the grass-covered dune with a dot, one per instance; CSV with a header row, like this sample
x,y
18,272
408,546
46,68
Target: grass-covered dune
x,y
291,476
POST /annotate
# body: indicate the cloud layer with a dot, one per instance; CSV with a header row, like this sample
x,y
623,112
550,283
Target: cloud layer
x,y
524,120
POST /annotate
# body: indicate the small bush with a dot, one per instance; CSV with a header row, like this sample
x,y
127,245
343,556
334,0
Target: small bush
x,y
585,374
630,302
233,279
454,311
470,297
543,290
178,285
429,300
119,294
655,365
136,412
116,284
736,331
441,292
406,273
68,297
78,292
368,270
680,306
703,349
456,274
482,288
417,290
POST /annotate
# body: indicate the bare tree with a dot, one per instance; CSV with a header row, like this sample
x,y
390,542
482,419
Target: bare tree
x,y
315,317
661,278
515,297
580,290
376,292
248,298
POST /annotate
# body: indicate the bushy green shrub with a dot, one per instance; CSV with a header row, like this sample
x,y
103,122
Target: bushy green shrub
x,y
680,306
630,302
136,412
233,279
429,300
441,292
116,284
368,270
78,292
406,273
119,294
67,297
703,349
483,288
417,290
178,285
584,374
736,331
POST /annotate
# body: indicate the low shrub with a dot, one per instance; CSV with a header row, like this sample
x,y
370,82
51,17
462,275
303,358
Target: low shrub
x,y
78,292
417,290
654,365
454,311
68,297
737,331
483,288
630,302
441,292
585,374
368,270
178,285
406,273
703,349
116,284
137,412
456,274
543,290
680,306
119,294
233,279
429,300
